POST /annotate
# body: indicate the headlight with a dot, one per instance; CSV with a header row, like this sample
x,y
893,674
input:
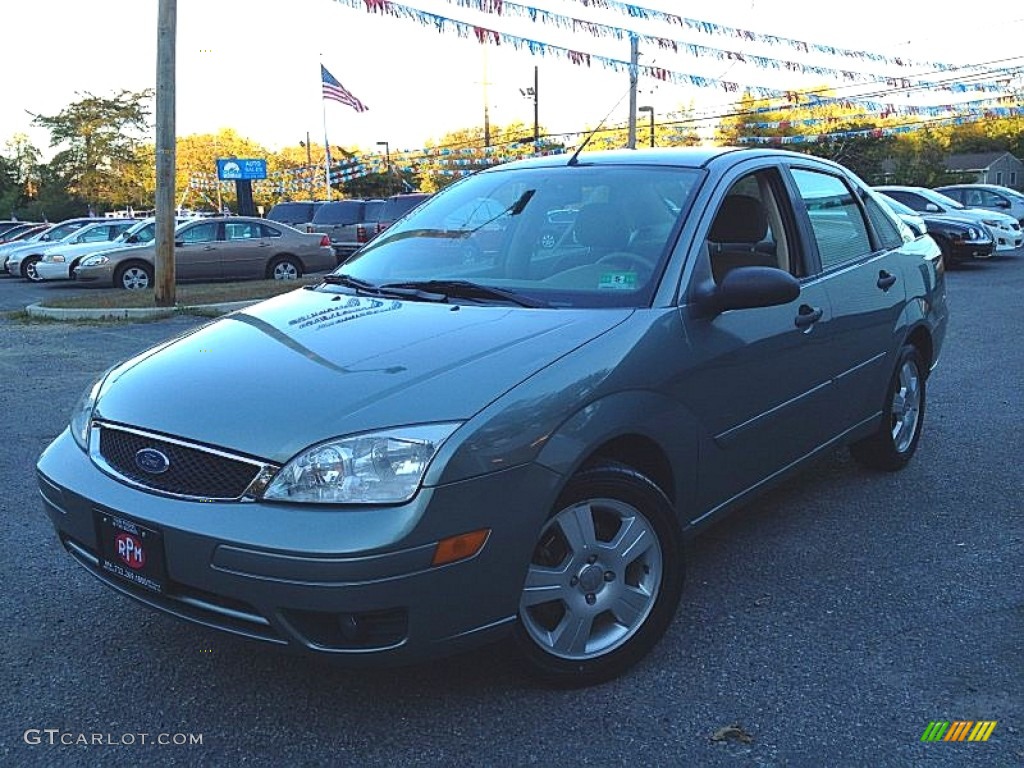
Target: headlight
x,y
374,468
95,261
54,258
81,416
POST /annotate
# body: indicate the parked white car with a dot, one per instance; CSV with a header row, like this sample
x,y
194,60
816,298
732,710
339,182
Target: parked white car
x,y
21,261
1005,230
59,262
992,197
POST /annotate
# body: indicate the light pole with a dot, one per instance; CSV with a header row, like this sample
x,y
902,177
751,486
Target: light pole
x,y
651,111
534,93
387,165
309,163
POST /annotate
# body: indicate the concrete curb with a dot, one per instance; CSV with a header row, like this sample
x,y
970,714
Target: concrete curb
x,y
138,313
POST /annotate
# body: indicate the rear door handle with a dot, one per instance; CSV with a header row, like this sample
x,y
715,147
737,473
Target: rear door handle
x,y
807,316
886,280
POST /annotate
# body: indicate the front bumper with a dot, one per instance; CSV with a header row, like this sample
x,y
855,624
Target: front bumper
x,y
965,250
1007,240
103,273
53,270
356,583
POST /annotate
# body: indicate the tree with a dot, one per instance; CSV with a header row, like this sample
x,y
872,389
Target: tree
x,y
100,137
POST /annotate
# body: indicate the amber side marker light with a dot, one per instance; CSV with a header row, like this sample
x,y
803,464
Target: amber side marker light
x,y
460,547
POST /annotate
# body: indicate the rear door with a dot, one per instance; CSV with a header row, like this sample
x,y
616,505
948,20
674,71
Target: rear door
x,y
243,252
197,252
858,247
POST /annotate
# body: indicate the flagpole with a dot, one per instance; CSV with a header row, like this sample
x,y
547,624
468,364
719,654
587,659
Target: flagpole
x,y
327,153
327,147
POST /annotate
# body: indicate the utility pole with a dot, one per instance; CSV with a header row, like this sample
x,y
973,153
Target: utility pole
x,y
166,31
634,60
487,106
536,109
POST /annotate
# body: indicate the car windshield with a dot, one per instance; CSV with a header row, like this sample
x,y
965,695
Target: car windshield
x,y
940,199
897,206
561,236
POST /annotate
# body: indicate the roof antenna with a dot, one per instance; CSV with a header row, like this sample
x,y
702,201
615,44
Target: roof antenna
x,y
575,155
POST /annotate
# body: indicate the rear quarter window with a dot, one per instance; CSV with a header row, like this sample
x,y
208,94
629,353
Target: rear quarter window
x,y
340,213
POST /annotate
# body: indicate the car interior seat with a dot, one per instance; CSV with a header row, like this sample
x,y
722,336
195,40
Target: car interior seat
x,y
739,226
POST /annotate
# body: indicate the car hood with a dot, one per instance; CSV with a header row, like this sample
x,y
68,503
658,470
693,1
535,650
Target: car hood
x,y
951,218
984,213
277,377
78,248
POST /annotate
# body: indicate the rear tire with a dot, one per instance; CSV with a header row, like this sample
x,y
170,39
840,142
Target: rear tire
x,y
893,445
135,276
284,268
604,580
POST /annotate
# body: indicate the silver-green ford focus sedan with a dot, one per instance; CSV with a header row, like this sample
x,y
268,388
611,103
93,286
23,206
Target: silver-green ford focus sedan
x,y
507,423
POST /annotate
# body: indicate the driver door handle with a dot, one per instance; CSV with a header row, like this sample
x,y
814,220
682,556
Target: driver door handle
x,y
886,280
807,316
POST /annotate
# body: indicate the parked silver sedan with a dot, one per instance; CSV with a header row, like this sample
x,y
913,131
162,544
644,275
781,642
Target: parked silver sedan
x,y
229,248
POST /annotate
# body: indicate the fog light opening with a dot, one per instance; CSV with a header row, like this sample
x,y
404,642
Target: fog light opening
x,y
460,547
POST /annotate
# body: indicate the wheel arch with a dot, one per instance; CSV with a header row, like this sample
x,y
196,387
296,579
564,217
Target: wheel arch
x,y
645,431
283,256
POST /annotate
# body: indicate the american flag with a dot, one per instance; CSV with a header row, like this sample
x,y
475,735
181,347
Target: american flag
x,y
338,92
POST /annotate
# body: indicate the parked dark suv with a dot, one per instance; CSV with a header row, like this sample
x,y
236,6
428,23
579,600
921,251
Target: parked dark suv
x,y
296,213
341,220
396,206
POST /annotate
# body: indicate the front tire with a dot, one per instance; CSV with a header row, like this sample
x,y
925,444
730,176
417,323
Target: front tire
x,y
604,580
28,269
893,445
134,277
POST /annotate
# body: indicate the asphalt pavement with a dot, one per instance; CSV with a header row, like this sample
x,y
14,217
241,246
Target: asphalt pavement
x,y
827,624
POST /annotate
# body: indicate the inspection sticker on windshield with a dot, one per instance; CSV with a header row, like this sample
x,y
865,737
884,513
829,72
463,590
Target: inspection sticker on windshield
x,y
618,281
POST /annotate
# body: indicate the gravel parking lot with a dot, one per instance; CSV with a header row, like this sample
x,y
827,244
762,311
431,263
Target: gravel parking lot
x,y
829,622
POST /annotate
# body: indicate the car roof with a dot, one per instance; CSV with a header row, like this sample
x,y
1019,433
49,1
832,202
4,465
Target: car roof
x,y
687,157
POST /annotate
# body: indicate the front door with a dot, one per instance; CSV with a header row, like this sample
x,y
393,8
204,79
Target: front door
x,y
759,383
197,251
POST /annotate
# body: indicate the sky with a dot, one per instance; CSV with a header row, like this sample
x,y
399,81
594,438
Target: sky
x,y
253,65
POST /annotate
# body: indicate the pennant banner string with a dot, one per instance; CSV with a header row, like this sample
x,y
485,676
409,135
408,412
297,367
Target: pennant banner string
x,y
509,9
639,12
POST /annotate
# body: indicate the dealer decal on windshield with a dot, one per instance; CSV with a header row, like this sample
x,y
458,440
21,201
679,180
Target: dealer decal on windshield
x,y
618,281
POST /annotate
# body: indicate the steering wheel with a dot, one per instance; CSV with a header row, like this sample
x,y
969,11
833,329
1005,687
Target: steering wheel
x,y
628,260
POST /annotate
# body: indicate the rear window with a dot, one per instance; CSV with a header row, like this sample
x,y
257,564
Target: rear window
x,y
285,212
374,208
396,207
341,212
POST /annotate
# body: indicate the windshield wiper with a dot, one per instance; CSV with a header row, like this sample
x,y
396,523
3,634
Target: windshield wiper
x,y
396,291
464,289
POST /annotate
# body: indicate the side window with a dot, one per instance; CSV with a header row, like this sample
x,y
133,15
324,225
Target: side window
x,y
242,230
909,199
990,199
266,231
836,219
748,229
200,233
888,232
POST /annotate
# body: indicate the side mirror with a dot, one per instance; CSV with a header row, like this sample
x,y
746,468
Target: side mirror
x,y
932,208
746,288
1002,203
179,243
918,229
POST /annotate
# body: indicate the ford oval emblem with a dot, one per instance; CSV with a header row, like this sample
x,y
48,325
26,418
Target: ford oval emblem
x,y
152,461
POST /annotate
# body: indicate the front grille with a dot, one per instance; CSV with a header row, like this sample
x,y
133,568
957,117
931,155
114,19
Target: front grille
x,y
192,470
